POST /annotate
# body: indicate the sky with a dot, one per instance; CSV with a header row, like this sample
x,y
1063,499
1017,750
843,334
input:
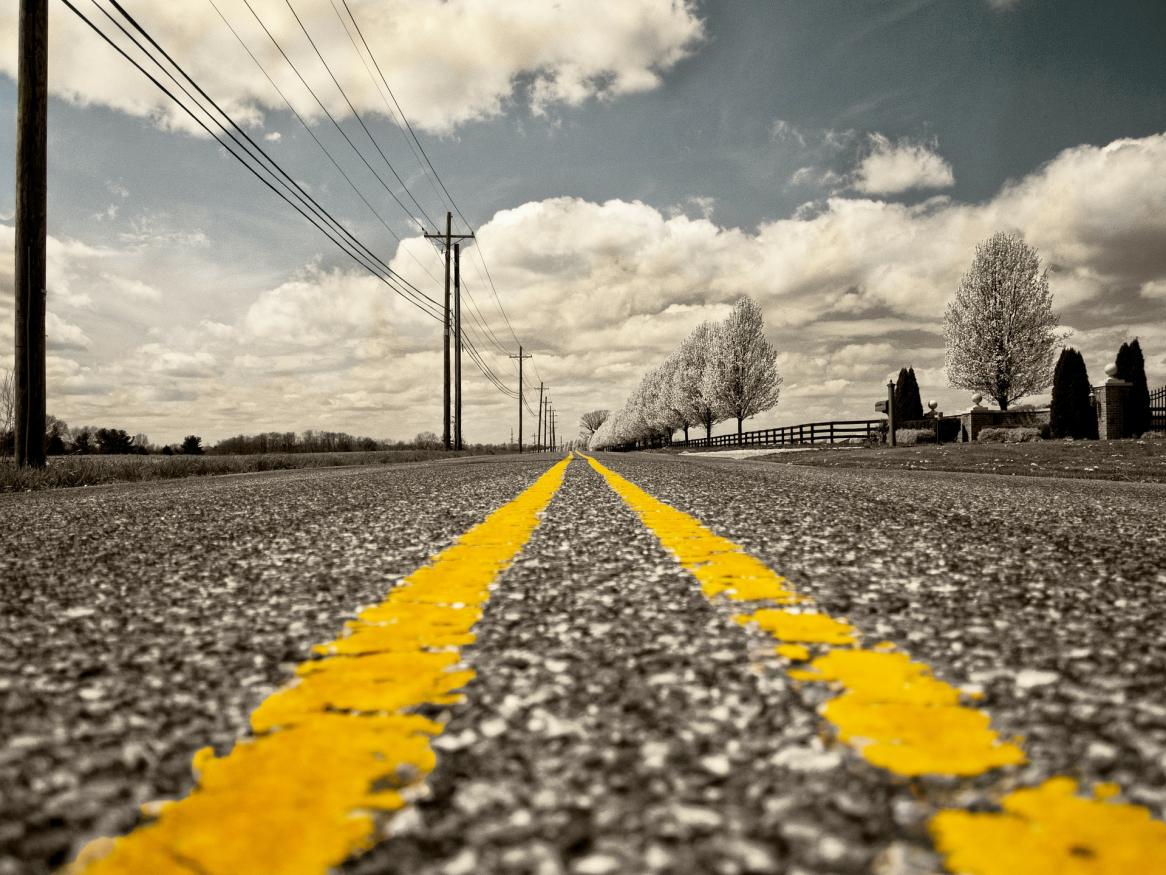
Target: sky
x,y
631,168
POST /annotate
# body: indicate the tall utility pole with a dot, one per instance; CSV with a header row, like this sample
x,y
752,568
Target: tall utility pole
x,y
447,242
32,110
539,443
457,345
520,357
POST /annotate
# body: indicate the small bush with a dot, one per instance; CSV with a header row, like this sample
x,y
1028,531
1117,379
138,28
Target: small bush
x,y
1009,435
909,437
1154,436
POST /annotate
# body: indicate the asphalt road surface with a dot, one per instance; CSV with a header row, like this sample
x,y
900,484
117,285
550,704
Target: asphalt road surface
x,y
619,718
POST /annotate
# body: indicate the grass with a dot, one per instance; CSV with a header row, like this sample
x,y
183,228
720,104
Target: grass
x,y
65,471
1128,460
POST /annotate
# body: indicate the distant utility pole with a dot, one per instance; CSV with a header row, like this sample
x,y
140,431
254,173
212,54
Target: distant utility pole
x,y
31,229
539,443
447,242
554,422
520,357
457,345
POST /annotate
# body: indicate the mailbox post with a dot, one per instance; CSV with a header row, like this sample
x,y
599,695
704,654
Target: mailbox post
x,y
888,407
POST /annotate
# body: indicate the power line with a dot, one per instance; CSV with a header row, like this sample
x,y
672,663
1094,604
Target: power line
x,y
261,165
355,113
318,141
392,113
461,215
328,113
318,216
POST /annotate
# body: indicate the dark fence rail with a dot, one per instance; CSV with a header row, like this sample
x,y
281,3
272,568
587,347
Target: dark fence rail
x,y
1158,409
786,435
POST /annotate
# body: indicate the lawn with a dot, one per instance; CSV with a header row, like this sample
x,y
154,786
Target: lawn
x,y
1128,460
93,470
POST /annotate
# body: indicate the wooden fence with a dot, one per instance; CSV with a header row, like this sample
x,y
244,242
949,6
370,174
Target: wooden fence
x,y
807,433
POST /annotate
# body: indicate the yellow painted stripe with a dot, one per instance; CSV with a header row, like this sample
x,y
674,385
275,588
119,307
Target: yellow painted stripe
x,y
903,719
340,742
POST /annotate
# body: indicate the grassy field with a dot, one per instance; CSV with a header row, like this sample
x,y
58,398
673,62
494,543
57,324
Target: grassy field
x,y
1128,460
93,470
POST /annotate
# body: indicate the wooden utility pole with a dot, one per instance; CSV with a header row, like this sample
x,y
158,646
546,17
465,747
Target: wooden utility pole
x,y
32,109
541,437
457,345
546,405
446,241
520,357
891,424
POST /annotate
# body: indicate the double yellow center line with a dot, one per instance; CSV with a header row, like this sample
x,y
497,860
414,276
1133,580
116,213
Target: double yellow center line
x,y
342,741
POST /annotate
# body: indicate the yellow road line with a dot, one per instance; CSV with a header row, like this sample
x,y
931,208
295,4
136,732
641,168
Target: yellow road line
x,y
339,743
903,719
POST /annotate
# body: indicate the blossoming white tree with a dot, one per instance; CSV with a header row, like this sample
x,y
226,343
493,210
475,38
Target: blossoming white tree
x,y
686,386
1000,329
741,379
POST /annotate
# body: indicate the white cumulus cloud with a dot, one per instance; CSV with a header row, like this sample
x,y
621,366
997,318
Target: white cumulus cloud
x,y
895,167
447,61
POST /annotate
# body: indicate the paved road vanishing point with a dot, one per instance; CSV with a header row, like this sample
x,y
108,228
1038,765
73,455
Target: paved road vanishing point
x,y
625,664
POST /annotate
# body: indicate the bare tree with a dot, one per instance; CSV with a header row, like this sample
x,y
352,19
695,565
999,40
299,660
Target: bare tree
x,y
687,379
7,407
741,379
1000,329
590,422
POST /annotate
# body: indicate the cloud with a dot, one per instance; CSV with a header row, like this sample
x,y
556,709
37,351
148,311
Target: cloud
x,y
895,167
1003,5
449,62
599,292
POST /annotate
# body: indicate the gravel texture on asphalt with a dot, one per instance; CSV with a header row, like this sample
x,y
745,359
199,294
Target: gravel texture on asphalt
x,y
621,723
1048,595
139,623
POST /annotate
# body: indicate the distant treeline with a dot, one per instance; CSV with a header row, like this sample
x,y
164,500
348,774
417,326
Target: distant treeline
x,y
90,440
305,442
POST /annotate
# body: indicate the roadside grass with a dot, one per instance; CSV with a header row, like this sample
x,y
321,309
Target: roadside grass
x,y
65,471
1127,460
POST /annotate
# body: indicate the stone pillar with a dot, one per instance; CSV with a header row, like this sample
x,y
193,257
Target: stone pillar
x,y
1111,403
973,419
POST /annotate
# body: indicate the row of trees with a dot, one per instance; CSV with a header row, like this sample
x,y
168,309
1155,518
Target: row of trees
x,y
721,371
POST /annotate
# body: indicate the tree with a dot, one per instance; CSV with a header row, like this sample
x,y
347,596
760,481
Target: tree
x,y
83,441
590,422
687,381
908,403
1072,414
113,441
56,432
742,379
192,445
7,413
1131,366
1000,329
427,440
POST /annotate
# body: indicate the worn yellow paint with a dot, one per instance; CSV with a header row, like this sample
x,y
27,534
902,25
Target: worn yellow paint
x,y
891,709
803,627
794,652
1049,830
907,721
340,742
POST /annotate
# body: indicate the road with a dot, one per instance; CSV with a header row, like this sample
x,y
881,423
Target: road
x,y
620,712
